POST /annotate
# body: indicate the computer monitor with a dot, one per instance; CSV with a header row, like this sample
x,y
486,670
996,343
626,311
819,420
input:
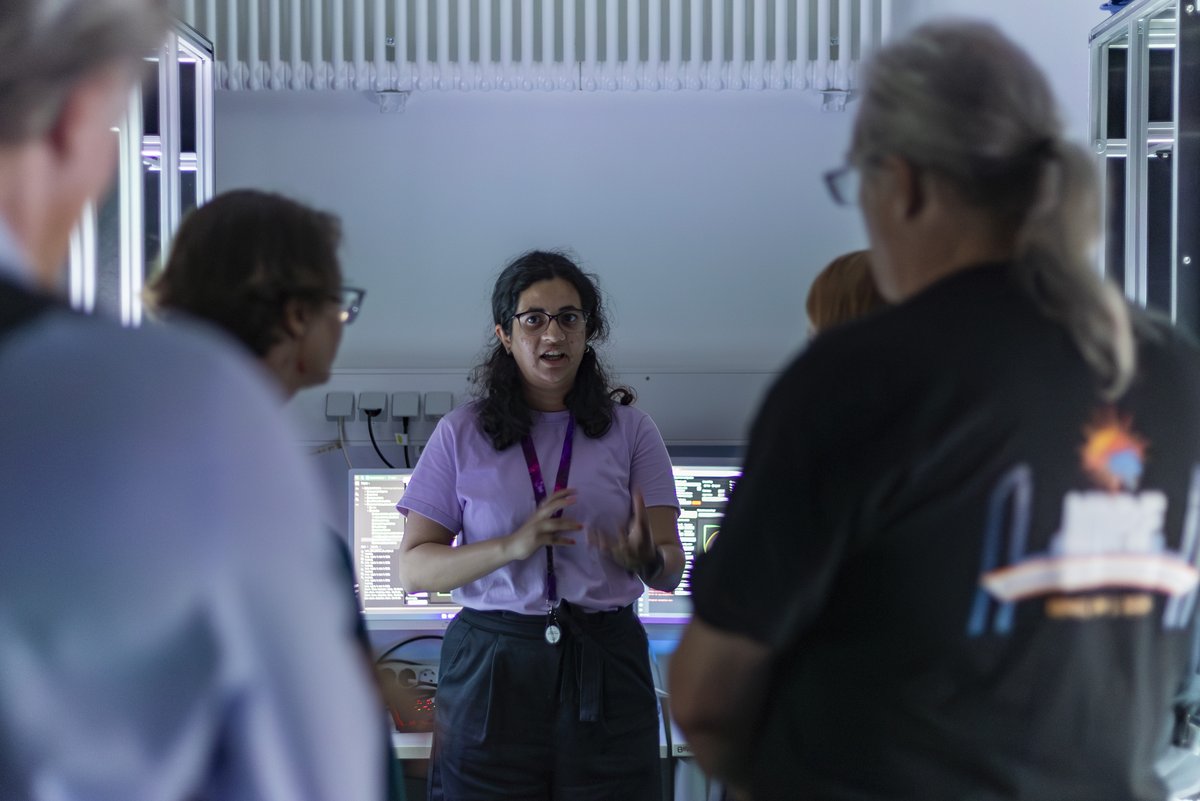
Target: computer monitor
x,y
703,492
376,531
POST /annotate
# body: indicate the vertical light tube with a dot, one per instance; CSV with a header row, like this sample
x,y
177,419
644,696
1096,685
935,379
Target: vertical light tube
x,y
654,34
253,50
317,33
866,28
422,23
379,27
845,37
612,38
506,35
443,37
547,33
82,259
568,46
75,269
210,19
696,39
591,35
803,56
485,37
739,41
400,21
359,12
231,47
88,228
822,70
885,20
464,38
189,12
718,34
527,35
633,38
779,64
339,41
274,44
132,205
169,119
760,43
675,37
205,132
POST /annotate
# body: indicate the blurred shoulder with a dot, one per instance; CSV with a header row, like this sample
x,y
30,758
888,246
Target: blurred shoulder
x,y
146,373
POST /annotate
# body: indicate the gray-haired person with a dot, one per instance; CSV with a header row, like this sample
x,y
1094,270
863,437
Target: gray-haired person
x,y
962,561
171,621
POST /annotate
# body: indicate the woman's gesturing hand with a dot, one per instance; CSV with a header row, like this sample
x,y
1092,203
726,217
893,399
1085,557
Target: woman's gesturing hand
x,y
634,550
543,528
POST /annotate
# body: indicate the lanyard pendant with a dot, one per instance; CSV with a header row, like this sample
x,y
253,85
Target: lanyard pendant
x,y
553,632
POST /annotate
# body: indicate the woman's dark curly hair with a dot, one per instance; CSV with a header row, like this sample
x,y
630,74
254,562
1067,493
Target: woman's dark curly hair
x,y
504,413
238,259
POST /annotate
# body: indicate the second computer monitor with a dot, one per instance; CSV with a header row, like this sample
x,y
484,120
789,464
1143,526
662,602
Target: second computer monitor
x,y
703,493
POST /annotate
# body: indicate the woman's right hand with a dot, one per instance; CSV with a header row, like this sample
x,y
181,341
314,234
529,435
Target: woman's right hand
x,y
543,528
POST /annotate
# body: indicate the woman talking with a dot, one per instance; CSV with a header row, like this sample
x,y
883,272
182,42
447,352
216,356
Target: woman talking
x,y
561,497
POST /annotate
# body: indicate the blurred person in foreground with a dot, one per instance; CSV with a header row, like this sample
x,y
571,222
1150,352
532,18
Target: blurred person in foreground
x,y
171,622
961,562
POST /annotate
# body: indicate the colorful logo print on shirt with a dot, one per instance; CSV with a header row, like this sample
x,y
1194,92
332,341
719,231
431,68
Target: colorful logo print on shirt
x,y
1113,455
1109,556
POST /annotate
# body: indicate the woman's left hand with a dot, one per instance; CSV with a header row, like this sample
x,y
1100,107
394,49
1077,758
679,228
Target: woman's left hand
x,y
634,550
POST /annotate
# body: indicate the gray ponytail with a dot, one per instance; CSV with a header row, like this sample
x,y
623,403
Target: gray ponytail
x,y
960,99
1053,266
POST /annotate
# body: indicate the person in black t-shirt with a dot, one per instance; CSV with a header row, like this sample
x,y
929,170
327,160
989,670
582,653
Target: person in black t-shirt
x,y
962,561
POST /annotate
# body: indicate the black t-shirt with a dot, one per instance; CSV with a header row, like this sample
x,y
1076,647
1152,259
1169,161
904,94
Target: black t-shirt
x,y
975,574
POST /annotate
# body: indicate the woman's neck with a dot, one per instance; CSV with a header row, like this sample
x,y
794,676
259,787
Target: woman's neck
x,y
542,400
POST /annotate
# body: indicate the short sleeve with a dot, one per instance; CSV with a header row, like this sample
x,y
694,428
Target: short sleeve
x,y
433,489
771,568
650,470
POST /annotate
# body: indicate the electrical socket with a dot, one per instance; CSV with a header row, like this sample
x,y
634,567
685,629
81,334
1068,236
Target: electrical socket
x,y
372,401
438,404
339,405
406,404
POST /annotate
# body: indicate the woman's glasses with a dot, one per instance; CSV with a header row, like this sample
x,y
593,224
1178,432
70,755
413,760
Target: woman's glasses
x,y
536,321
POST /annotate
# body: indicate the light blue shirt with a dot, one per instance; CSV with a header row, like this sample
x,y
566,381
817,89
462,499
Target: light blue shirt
x,y
172,623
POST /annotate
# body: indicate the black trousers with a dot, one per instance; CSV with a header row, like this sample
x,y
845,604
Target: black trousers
x,y
519,718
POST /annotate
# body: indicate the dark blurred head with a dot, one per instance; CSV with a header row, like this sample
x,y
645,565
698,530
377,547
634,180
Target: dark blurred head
x,y
239,259
265,269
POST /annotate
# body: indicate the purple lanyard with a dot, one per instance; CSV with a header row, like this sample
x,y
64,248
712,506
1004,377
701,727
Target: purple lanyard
x,y
539,493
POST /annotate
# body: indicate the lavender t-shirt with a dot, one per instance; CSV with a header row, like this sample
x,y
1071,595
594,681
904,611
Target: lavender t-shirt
x,y
463,483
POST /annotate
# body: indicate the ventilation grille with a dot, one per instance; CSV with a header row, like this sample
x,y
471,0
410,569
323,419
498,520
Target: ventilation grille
x,y
529,45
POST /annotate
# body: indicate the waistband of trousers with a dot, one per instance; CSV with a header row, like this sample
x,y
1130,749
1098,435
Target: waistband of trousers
x,y
534,626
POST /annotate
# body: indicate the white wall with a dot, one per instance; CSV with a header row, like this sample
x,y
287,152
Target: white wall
x,y
704,214
1055,32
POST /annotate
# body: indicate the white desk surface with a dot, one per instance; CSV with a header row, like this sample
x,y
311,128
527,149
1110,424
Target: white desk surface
x,y
412,744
